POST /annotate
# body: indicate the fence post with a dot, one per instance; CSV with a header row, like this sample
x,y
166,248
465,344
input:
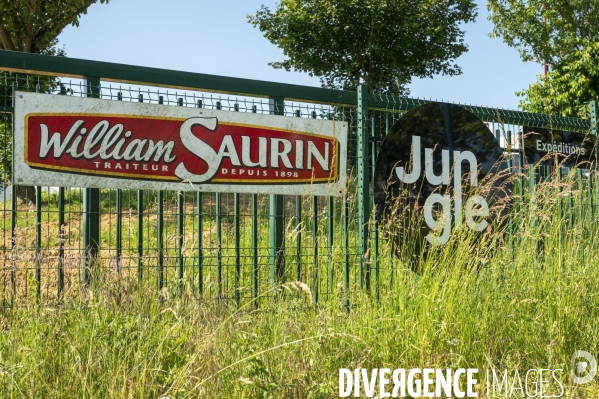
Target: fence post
x,y
91,203
200,234
61,238
254,228
255,251
345,250
298,237
140,228
219,246
315,249
511,172
236,237
277,222
594,108
13,210
375,226
236,233
330,236
159,230
180,233
180,230
363,184
159,237
119,218
38,241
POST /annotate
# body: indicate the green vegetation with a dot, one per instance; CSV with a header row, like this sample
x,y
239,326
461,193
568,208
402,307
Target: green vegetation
x,y
562,34
380,43
520,301
33,26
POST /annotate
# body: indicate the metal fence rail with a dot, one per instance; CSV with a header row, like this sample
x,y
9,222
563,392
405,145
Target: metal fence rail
x,y
233,247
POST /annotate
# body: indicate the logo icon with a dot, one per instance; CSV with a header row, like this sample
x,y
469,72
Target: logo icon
x,y
583,371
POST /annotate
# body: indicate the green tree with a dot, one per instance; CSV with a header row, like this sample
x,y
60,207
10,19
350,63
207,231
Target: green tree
x,y
32,26
380,43
565,35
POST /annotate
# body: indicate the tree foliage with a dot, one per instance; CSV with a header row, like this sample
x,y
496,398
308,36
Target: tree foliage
x,y
563,33
32,26
381,43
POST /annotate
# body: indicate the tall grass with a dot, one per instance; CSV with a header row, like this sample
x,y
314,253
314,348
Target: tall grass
x,y
505,301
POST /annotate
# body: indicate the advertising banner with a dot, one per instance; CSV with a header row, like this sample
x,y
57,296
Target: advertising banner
x,y
439,169
570,149
84,142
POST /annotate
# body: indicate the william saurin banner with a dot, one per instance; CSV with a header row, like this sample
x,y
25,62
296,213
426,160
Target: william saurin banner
x,y
83,142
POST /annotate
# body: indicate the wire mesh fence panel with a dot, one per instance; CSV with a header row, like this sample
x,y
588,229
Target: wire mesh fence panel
x,y
222,245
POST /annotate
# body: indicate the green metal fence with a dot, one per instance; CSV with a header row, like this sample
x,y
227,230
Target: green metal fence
x,y
230,247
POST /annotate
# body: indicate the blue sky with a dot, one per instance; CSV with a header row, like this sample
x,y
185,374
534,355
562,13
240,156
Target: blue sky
x,y
214,37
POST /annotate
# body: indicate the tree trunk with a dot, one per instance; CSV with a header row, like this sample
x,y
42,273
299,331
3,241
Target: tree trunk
x,y
26,194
